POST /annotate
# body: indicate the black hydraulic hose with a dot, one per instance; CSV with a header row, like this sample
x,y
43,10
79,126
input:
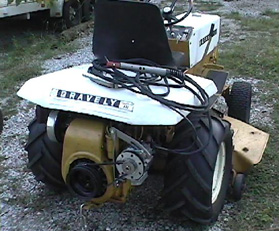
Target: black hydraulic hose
x,y
138,85
142,83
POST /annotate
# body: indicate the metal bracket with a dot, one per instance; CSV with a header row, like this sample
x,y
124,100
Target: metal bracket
x,y
118,134
51,122
83,218
137,158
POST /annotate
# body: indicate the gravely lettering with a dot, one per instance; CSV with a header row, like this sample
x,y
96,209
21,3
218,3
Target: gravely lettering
x,y
93,99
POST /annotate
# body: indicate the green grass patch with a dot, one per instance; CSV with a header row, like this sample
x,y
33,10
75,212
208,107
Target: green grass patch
x,y
208,5
23,60
258,56
268,22
255,56
234,15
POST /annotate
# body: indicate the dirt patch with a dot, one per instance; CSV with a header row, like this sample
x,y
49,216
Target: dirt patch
x,y
254,8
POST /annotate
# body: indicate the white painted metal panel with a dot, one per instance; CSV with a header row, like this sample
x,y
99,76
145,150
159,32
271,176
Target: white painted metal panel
x,y
201,24
69,90
22,8
30,6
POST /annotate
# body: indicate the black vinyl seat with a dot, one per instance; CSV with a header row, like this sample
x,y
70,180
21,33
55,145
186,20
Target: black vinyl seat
x,y
128,30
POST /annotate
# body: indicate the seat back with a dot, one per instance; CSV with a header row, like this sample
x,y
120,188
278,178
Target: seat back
x,y
127,30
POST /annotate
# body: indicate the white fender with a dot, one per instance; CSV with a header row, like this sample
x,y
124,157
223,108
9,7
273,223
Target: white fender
x,y
69,90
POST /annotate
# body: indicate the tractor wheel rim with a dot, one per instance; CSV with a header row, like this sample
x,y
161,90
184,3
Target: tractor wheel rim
x,y
218,172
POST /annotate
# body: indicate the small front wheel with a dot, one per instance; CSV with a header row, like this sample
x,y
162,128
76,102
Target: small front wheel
x,y
239,101
239,186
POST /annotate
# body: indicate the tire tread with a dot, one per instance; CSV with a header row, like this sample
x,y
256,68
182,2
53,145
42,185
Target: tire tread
x,y
239,101
188,179
44,156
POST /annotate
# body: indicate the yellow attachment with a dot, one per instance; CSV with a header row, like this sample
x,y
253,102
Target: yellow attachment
x,y
85,139
180,46
249,145
207,63
119,196
201,68
121,193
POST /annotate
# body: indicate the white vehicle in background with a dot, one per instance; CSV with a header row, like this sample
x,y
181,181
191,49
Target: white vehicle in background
x,y
72,12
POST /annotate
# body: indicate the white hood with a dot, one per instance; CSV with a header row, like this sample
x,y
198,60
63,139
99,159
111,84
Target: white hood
x,y
69,90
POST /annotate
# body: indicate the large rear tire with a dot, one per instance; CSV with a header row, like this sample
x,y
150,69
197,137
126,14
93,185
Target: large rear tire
x,y
195,186
44,156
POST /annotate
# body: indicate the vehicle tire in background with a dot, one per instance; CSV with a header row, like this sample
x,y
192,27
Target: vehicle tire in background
x,y
195,186
239,101
72,13
87,10
44,156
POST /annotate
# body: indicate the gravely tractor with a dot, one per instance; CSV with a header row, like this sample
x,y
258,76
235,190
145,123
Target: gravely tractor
x,y
148,95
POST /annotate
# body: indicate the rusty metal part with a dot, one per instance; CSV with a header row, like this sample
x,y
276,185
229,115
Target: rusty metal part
x,y
201,68
226,91
180,46
169,132
249,145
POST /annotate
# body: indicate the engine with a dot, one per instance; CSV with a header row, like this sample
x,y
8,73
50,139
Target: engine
x,y
101,159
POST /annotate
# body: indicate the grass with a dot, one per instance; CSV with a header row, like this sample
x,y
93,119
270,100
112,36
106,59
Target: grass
x,y
268,22
23,61
258,56
210,5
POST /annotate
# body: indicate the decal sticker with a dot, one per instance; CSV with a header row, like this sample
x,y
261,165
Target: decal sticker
x,y
100,100
207,37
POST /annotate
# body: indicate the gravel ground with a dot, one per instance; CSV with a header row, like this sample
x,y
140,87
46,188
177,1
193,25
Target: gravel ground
x,y
28,205
83,55
252,8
